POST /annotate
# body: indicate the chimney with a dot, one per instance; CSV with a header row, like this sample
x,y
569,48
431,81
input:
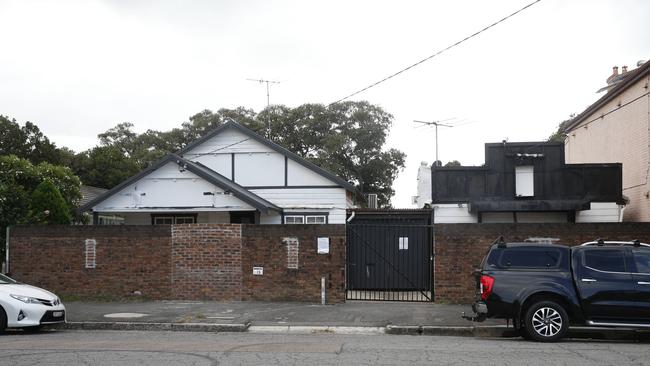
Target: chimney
x,y
613,75
624,69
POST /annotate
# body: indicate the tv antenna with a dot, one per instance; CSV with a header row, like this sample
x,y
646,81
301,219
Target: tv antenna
x,y
436,124
268,100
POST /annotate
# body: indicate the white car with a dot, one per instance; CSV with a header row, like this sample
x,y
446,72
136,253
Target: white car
x,y
27,307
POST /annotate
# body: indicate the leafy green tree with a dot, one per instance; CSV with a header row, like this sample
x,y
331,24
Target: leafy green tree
x,y
17,172
47,205
104,166
19,178
28,142
558,135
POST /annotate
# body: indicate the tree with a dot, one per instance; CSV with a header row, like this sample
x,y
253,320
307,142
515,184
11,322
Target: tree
x,y
28,142
47,205
558,135
19,178
104,166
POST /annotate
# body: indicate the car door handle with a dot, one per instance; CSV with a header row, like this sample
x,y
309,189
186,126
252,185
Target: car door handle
x,y
643,283
588,280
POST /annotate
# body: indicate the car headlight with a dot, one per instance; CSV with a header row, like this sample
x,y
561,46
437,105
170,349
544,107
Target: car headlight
x,y
26,299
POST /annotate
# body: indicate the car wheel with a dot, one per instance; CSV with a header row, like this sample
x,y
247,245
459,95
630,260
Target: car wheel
x,y
546,321
3,320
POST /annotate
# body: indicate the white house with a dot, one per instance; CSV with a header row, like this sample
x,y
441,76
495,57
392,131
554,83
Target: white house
x,y
231,175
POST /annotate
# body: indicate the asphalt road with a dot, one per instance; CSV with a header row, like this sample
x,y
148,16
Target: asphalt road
x,y
73,348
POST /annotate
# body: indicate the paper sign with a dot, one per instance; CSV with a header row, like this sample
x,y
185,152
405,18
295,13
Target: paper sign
x,y
323,245
258,271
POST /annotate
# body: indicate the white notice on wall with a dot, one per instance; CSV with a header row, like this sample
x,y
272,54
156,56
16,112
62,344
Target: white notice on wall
x,y
258,271
323,245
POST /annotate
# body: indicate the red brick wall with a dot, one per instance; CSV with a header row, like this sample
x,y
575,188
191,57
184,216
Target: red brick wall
x,y
206,262
263,246
190,262
459,248
134,258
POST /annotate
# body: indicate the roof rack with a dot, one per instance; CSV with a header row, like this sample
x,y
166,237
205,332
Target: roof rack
x,y
600,242
500,242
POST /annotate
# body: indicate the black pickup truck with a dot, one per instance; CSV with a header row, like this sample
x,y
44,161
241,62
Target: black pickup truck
x,y
544,288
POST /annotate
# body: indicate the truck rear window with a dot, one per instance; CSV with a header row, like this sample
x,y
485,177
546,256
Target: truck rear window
x,y
526,258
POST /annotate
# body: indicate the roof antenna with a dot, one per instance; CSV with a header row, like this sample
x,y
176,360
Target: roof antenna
x,y
600,241
268,102
636,242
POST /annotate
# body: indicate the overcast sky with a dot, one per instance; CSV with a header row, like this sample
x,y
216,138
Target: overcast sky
x,y
77,68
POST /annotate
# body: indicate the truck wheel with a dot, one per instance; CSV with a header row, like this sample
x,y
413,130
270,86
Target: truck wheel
x,y
546,321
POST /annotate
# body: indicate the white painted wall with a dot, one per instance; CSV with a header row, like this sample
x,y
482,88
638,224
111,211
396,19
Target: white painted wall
x,y
265,169
424,185
256,164
298,175
167,187
220,163
601,212
453,214
332,200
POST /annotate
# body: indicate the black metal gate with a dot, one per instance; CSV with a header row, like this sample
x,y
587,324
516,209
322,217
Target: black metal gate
x,y
389,258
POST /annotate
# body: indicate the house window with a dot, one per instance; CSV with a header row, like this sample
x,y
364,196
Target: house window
x,y
403,243
173,219
294,219
305,218
315,219
524,181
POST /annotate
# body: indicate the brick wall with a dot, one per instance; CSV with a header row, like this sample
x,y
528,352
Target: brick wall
x,y
206,262
135,258
189,262
460,248
266,246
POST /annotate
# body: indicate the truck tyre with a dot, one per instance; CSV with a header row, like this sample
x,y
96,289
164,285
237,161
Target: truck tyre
x,y
546,321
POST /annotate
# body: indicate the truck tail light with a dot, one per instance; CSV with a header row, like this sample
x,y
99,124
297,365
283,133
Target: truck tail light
x,y
487,283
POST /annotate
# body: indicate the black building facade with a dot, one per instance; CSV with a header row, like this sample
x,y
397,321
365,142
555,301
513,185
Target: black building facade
x,y
527,177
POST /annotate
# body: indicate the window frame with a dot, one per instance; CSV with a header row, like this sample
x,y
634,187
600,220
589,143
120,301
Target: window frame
x,y
174,217
305,216
301,217
636,266
499,261
624,253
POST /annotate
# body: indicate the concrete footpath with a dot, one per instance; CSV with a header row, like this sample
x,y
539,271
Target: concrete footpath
x,y
355,317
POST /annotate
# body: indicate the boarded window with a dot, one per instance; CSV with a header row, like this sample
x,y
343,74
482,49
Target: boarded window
x,y
91,253
524,181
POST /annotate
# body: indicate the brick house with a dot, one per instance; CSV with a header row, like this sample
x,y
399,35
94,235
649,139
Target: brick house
x,y
230,175
616,129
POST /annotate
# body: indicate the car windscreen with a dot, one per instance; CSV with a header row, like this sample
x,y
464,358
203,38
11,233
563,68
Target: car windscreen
x,y
4,280
526,258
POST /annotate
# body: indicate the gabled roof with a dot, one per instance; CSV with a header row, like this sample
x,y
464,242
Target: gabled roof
x,y
227,185
634,76
198,169
295,157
